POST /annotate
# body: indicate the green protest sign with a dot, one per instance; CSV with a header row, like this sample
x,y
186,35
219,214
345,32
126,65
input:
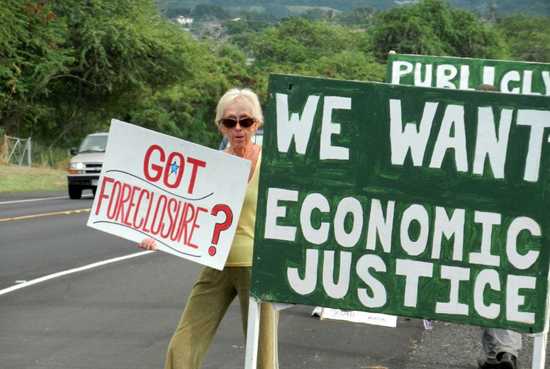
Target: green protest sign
x,y
405,200
466,74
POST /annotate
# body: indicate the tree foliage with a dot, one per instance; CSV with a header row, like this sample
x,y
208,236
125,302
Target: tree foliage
x,y
431,27
67,68
363,17
298,40
205,11
30,56
506,7
116,52
122,50
187,110
527,36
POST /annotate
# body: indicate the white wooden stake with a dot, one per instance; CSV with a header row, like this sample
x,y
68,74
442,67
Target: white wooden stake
x,y
253,334
539,351
539,346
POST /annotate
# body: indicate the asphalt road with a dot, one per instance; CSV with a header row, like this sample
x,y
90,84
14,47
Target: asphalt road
x,y
92,300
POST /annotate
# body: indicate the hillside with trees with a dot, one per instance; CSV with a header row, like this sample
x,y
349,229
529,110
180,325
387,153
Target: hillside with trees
x,y
503,7
67,70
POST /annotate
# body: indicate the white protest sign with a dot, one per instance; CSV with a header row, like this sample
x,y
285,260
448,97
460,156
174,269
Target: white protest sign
x,y
362,317
185,196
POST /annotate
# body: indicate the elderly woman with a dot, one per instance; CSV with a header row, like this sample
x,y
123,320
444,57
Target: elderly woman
x,y
238,116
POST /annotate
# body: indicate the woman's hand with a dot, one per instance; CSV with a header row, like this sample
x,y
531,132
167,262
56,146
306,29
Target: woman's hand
x,y
148,244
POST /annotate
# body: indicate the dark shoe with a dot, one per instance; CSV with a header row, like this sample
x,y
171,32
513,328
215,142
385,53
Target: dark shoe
x,y
508,361
483,364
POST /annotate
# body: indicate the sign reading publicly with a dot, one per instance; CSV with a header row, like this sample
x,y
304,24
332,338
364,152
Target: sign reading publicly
x,y
185,196
403,200
466,74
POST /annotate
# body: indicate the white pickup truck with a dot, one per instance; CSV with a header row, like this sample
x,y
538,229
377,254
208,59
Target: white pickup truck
x,y
85,166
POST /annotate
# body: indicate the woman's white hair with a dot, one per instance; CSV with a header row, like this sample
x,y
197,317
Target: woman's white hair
x,y
244,97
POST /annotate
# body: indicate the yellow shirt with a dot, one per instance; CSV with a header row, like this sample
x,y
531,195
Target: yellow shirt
x,y
240,254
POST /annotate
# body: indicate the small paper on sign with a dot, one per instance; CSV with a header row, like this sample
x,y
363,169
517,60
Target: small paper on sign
x,y
363,317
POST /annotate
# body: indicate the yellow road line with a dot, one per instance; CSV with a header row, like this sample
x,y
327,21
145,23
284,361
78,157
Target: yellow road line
x,y
46,214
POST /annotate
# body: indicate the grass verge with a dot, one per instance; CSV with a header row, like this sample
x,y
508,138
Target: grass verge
x,y
24,179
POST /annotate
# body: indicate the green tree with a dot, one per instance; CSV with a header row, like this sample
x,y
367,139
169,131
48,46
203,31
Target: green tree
x,y
528,37
207,11
317,14
351,65
470,38
176,12
297,40
321,49
243,26
431,27
278,10
409,30
31,35
363,17
123,52
187,110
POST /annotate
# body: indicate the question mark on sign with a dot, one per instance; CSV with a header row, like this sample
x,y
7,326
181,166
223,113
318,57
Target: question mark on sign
x,y
220,227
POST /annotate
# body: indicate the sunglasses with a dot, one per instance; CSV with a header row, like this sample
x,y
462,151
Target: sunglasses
x,y
232,122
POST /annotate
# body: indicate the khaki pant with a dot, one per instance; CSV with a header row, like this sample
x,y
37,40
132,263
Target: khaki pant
x,y
496,341
211,297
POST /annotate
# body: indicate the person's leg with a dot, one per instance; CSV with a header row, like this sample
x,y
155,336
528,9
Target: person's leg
x,y
508,346
268,355
498,345
488,342
269,321
207,304
496,341
507,341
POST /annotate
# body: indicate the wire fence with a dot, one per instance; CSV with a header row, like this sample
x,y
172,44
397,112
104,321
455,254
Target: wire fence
x,y
26,152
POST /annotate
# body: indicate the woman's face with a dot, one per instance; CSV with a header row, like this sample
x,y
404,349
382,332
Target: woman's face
x,y
238,136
